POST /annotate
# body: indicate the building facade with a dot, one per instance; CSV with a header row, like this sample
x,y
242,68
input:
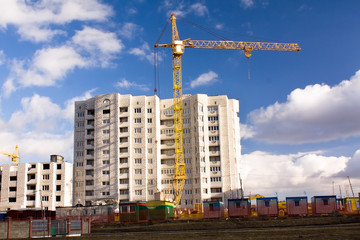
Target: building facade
x,y
45,185
124,148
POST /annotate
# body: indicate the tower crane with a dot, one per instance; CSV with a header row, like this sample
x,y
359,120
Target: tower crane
x,y
14,156
178,46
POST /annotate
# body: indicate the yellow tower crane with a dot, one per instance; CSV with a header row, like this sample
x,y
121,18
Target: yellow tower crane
x,y
178,46
14,156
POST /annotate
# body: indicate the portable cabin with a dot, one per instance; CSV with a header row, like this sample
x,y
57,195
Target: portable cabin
x,y
351,204
239,207
323,204
267,206
213,209
297,206
160,210
35,214
132,211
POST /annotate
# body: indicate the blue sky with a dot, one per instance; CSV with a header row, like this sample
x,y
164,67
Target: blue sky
x,y
300,111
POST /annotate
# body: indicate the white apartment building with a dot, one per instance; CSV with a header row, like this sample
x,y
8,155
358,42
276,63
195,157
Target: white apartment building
x,y
124,148
44,185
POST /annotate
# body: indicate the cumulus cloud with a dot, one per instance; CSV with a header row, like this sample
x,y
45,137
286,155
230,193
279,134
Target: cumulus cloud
x,y
182,9
47,66
247,3
198,9
101,46
2,57
267,174
37,20
40,128
129,30
144,53
125,84
204,79
313,114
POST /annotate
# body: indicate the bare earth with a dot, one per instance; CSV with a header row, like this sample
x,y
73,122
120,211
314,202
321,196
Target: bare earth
x,y
321,227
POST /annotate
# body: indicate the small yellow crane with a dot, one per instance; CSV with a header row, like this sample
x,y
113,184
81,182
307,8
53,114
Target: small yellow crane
x,y
14,156
178,46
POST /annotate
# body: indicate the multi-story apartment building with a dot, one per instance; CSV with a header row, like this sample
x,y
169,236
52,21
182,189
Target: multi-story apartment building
x,y
124,148
44,185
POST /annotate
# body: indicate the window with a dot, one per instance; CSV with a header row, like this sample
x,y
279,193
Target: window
x,y
137,150
138,171
31,187
213,118
106,111
186,111
267,203
297,203
30,198
150,171
149,110
58,177
150,151
123,109
149,120
58,166
106,121
137,140
12,189
79,154
12,199
123,160
46,166
89,193
106,152
151,181
80,124
124,181
105,193
138,182
213,128
212,108
138,160
89,182
124,170
204,180
13,178
215,169
106,141
138,192
58,198
216,190
106,172
205,190
106,183
106,131
149,130
137,130
186,121
45,198
137,110
215,179
45,187
326,202
150,161
137,120
124,192
213,138
106,162
151,192
46,177
123,130
149,140
80,114
58,187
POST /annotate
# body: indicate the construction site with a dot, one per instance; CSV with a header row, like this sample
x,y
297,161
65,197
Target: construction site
x,y
131,182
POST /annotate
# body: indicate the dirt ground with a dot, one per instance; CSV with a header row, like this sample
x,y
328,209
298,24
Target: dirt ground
x,y
320,227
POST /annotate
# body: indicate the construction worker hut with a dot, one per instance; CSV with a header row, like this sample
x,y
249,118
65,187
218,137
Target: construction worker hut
x,y
132,211
351,204
297,206
213,209
239,208
160,210
267,206
323,204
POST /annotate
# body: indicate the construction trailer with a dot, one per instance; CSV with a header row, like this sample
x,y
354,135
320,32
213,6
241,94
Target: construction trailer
x,y
323,204
239,208
351,204
132,211
160,210
267,206
213,209
297,206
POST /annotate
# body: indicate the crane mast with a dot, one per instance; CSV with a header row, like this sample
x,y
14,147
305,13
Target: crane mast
x,y
14,156
178,46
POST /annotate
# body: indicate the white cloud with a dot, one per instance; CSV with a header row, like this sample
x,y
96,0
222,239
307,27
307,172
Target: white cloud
x,y
127,85
129,30
247,3
313,114
199,9
182,9
102,46
36,20
2,57
265,173
204,79
219,26
68,112
46,68
144,53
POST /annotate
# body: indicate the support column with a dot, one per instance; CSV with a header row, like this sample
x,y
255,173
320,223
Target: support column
x,y
9,221
89,222
30,227
68,226
82,225
49,227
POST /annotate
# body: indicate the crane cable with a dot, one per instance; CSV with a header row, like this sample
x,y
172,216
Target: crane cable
x,y
156,72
